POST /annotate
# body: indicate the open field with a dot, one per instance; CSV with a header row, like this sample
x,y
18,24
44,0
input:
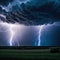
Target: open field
x,y
41,54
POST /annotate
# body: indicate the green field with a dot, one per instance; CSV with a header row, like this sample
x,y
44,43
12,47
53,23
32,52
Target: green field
x,y
41,54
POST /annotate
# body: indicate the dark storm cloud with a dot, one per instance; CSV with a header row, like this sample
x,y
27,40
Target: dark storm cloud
x,y
5,2
34,12
46,12
10,5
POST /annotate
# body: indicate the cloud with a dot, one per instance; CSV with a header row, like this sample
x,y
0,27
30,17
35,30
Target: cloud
x,y
10,4
5,2
34,12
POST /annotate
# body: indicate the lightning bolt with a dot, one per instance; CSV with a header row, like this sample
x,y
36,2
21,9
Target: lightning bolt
x,y
13,29
12,34
39,35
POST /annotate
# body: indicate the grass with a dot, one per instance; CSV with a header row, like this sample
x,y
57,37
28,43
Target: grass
x,y
29,54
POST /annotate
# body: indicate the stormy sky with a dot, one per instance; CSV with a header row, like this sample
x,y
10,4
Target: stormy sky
x,y
37,11
42,18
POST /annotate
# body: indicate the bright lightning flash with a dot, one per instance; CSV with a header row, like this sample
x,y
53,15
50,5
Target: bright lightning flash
x,y
39,35
13,28
12,34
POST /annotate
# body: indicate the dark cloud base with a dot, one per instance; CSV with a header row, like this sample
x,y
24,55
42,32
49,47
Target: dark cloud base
x,y
5,2
31,14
